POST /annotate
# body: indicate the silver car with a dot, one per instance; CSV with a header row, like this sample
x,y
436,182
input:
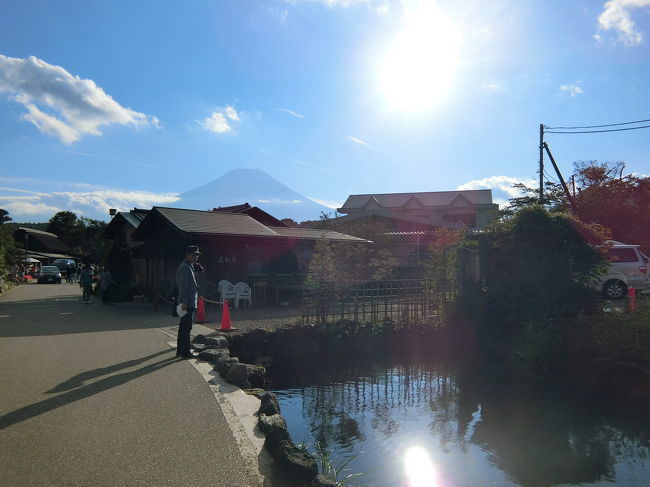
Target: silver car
x,y
628,268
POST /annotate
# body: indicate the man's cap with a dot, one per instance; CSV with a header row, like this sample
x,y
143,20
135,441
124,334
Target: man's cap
x,y
192,249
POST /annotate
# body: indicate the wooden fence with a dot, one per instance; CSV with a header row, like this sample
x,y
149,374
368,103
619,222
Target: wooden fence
x,y
403,302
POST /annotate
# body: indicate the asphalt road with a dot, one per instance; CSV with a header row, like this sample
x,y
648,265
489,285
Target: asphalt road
x,y
91,395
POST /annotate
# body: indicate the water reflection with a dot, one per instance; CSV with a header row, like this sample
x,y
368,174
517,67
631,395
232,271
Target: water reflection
x,y
476,431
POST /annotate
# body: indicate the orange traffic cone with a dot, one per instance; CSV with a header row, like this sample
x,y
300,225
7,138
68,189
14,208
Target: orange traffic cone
x,y
631,303
200,312
226,324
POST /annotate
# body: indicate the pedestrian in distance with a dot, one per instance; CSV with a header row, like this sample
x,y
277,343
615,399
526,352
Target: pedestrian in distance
x,y
105,280
188,293
86,283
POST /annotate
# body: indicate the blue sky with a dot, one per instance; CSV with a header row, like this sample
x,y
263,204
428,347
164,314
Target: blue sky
x,y
126,104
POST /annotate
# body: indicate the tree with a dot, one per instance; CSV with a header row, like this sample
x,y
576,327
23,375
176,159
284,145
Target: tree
x,y
606,196
82,234
64,225
4,216
539,274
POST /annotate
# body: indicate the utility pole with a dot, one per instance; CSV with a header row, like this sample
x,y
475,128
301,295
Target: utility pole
x,y
541,161
573,184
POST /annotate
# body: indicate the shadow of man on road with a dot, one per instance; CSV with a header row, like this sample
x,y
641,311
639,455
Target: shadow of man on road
x,y
79,379
83,392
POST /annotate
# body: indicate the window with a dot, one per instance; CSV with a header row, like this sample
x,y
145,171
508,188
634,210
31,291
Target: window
x,y
622,255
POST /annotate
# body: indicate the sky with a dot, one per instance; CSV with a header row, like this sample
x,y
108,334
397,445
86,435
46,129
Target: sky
x,y
122,104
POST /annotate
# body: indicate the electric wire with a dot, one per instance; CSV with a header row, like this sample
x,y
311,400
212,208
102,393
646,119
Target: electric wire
x,y
596,131
599,126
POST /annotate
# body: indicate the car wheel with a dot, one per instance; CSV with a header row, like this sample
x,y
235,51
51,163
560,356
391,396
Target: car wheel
x,y
615,289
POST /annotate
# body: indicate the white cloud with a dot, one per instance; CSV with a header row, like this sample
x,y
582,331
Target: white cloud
x,y
361,142
61,104
291,112
573,90
219,121
503,184
280,202
94,204
616,15
329,203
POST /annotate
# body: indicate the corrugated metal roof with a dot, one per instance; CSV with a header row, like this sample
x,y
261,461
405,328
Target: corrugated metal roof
x,y
134,217
213,222
314,234
37,232
435,198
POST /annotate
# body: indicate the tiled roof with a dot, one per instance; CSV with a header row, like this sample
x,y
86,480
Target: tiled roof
x,y
435,198
213,222
134,217
314,234
197,222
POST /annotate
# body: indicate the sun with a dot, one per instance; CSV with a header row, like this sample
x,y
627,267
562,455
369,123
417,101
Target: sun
x,y
419,67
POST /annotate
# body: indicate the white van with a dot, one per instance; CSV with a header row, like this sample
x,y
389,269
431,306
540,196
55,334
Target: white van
x,y
628,268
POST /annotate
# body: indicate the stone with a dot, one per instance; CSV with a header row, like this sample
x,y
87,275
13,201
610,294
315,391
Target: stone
x,y
199,339
210,342
268,424
224,364
323,481
212,355
256,375
297,464
238,376
269,404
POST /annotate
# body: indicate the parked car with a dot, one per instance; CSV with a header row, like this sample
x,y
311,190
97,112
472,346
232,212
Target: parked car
x,y
64,265
628,267
49,273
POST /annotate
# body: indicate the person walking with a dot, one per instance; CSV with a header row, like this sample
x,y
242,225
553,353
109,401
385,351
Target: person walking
x,y
188,293
86,283
105,280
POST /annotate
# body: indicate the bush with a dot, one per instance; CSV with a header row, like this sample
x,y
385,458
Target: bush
x,y
539,269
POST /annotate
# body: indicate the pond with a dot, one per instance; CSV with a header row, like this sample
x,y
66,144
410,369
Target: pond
x,y
427,424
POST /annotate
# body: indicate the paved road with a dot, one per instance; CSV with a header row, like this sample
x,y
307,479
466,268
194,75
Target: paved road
x,y
92,395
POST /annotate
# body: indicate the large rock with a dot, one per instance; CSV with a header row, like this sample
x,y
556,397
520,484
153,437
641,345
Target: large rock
x,y
238,376
210,342
223,365
268,424
269,404
213,355
323,481
256,375
297,464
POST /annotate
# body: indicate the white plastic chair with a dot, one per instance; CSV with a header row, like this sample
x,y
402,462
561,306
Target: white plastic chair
x,y
242,291
226,291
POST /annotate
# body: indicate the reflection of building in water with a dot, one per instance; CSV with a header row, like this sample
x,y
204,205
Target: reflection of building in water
x,y
535,440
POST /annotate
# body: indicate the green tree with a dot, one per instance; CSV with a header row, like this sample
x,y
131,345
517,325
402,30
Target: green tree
x,y
540,268
4,216
82,234
64,225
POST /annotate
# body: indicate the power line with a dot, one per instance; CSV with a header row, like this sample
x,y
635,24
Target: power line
x,y
596,131
600,126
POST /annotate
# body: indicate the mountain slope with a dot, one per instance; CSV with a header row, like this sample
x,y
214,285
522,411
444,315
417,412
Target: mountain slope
x,y
255,187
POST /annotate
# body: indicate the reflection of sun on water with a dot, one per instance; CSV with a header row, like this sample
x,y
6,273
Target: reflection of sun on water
x,y
419,67
420,470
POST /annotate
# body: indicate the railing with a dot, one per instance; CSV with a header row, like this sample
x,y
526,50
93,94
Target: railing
x,y
402,302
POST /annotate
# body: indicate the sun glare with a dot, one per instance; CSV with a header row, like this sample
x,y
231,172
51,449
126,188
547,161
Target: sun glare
x,y
419,67
420,470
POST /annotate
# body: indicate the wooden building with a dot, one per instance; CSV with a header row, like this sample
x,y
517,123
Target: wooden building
x,y
43,246
237,246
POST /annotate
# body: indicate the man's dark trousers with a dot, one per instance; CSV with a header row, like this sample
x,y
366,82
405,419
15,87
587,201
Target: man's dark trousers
x,y
184,329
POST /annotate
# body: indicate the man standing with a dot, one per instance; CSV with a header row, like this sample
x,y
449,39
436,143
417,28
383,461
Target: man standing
x,y
187,298
86,283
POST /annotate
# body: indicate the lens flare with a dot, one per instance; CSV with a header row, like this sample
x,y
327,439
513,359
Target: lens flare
x,y
420,470
420,65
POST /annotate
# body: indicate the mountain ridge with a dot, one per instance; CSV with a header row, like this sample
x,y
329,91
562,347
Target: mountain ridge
x,y
253,186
